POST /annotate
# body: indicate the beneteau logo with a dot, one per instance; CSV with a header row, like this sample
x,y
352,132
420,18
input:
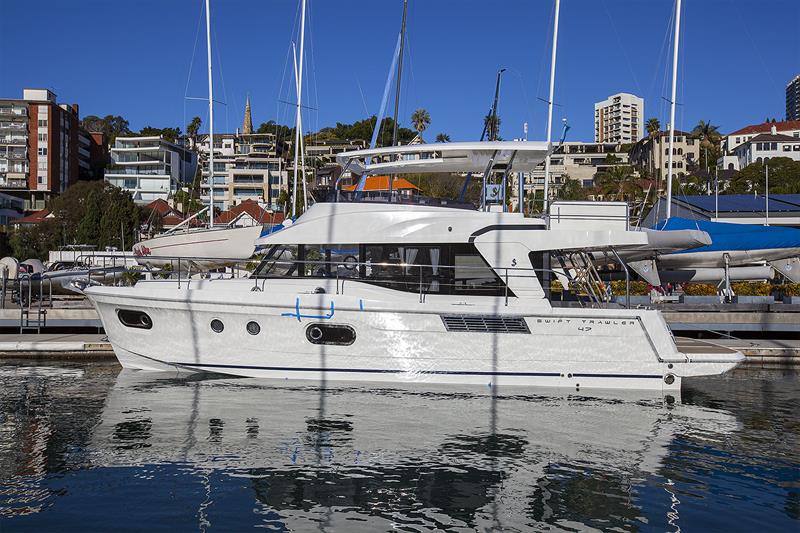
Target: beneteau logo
x,y
140,251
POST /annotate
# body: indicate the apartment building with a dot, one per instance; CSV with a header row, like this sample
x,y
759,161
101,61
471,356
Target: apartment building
x,y
652,154
619,119
793,99
150,168
247,166
40,149
733,140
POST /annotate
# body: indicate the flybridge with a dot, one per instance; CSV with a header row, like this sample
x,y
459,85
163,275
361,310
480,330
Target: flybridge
x,y
455,157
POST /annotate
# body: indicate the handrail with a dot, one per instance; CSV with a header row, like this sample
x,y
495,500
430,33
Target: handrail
x,y
243,268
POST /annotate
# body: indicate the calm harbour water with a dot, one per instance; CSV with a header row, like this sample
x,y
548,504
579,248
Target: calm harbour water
x,y
92,448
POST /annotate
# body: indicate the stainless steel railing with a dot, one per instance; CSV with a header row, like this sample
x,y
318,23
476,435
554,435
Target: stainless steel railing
x,y
424,279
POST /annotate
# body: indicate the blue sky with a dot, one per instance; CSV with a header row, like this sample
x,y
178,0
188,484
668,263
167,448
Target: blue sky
x,y
133,58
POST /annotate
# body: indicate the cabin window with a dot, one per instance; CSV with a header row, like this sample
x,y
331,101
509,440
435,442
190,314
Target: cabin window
x,y
438,269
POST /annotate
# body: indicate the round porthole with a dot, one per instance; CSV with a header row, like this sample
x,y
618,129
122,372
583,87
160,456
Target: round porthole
x,y
217,326
669,379
253,328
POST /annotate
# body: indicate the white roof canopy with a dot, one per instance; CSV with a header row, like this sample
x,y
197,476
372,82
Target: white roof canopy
x,y
523,156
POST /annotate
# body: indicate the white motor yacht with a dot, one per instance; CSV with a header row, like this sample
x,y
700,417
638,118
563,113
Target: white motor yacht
x,y
403,292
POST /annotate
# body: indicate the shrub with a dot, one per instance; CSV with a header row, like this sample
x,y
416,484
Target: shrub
x,y
699,289
747,288
638,288
789,289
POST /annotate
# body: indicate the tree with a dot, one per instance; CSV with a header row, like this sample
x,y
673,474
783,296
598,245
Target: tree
x,y
618,182
653,126
492,125
783,173
194,128
169,134
442,138
112,125
35,241
420,119
709,141
189,203
571,190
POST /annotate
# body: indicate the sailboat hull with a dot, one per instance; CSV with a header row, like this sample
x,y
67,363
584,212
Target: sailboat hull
x,y
206,247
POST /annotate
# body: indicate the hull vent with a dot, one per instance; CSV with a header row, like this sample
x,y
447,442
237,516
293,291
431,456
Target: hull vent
x,y
485,324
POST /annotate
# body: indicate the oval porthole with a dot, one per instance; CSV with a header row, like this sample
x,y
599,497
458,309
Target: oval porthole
x,y
253,328
217,326
134,319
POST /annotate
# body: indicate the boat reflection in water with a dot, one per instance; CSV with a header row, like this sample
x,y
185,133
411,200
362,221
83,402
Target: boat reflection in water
x,y
350,457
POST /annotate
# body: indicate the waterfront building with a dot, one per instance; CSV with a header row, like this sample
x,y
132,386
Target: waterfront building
x,y
733,140
246,167
577,161
42,148
793,99
619,119
150,167
325,151
764,147
651,154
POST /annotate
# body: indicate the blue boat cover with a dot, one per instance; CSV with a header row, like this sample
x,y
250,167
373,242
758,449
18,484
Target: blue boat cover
x,y
730,236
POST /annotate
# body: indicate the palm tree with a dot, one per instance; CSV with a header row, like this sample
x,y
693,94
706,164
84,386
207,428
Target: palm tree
x,y
492,125
420,119
443,138
653,126
194,128
618,183
706,130
709,135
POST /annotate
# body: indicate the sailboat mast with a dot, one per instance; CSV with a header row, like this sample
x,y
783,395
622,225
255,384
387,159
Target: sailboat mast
x,y
672,105
298,120
399,72
210,116
550,107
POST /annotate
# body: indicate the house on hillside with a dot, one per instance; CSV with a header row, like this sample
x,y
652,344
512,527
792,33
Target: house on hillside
x,y
249,213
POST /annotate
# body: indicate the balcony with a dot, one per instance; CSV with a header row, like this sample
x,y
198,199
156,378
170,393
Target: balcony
x,y
140,157
116,170
15,140
15,155
13,126
13,181
5,112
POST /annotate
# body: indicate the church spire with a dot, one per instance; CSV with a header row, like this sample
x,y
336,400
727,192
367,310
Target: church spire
x,y
247,127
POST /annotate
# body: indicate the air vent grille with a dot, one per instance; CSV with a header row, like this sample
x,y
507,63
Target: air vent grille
x,y
485,324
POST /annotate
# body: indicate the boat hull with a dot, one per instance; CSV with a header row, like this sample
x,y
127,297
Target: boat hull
x,y
205,247
564,348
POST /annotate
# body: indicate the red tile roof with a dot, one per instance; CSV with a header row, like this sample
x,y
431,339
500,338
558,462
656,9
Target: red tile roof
x,y
33,218
163,208
765,127
251,208
381,183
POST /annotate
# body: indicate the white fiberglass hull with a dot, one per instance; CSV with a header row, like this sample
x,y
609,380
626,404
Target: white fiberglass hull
x,y
200,246
397,339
